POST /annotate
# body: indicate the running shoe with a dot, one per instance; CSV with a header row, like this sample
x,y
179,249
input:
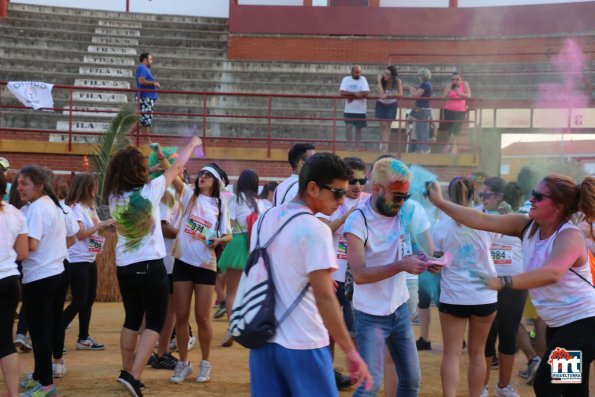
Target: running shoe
x,y
343,382
204,372
172,345
423,344
485,392
495,363
181,372
59,370
220,312
191,342
23,343
228,339
132,385
42,391
508,391
28,383
532,369
167,361
89,344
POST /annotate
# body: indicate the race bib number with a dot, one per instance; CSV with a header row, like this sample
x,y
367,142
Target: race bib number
x,y
197,227
96,244
342,249
405,248
501,254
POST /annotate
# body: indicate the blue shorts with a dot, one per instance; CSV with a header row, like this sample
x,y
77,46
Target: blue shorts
x,y
277,371
386,111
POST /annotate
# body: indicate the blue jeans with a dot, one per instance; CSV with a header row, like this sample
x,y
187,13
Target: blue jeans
x,y
394,331
422,129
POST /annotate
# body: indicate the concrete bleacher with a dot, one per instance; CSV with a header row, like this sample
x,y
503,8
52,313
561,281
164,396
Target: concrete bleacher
x,y
100,49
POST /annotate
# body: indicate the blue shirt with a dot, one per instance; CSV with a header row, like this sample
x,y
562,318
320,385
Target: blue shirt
x,y
424,103
143,71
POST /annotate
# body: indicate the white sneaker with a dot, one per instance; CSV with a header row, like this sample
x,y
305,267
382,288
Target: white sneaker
x,y
532,369
204,372
59,370
172,345
22,342
191,342
508,391
181,372
485,392
89,344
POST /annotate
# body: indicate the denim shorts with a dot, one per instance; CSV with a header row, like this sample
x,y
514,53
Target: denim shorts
x,y
386,111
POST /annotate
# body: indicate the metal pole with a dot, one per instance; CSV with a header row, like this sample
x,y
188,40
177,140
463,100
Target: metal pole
x,y
70,120
204,118
334,125
269,127
127,5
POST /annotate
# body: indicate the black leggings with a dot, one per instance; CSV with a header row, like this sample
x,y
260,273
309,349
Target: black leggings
x,y
144,287
83,287
9,299
44,302
506,324
579,335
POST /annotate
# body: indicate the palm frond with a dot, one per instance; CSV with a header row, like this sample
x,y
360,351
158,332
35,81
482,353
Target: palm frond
x,y
114,139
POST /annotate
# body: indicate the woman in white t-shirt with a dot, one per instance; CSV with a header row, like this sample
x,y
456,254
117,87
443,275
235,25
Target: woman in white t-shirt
x,y
461,303
556,272
243,205
43,275
205,226
13,247
82,272
134,204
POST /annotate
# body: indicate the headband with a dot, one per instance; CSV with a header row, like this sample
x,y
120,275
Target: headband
x,y
215,174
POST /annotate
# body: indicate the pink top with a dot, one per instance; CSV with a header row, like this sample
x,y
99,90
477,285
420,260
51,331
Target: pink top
x,y
453,104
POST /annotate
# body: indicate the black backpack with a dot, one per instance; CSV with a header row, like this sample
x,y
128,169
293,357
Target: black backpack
x,y
253,321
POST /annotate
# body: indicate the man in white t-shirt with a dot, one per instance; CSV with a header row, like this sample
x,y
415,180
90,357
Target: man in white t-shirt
x,y
380,252
355,89
297,156
296,360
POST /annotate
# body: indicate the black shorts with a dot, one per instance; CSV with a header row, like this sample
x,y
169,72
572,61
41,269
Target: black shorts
x,y
170,279
454,121
466,311
198,275
361,123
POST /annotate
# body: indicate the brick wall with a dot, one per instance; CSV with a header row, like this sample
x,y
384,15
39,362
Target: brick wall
x,y
377,50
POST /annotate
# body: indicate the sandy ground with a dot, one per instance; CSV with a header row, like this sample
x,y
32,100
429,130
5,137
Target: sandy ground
x,y
93,373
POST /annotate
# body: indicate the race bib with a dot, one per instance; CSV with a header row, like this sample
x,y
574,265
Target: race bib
x,y
197,227
342,249
405,246
96,244
501,254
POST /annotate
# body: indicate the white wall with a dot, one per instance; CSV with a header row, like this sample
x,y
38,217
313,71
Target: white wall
x,y
469,3
272,2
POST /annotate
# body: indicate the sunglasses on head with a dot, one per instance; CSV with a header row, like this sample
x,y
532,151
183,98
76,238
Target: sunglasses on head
x,y
361,181
486,196
539,196
338,193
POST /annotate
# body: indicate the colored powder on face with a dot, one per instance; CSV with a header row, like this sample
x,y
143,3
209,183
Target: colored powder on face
x,y
134,221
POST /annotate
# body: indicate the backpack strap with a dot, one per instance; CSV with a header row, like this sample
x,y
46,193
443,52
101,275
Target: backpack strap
x,y
584,279
294,304
365,223
281,228
284,196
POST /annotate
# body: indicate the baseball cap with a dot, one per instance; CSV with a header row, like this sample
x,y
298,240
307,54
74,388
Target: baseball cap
x,y
4,163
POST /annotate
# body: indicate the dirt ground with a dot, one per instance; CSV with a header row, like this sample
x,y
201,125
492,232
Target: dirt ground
x,y
93,373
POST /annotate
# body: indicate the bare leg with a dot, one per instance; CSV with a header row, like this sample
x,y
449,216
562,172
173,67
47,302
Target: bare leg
x,y
358,134
424,323
479,328
203,294
220,288
506,362
232,280
349,132
145,347
540,344
182,296
10,372
128,339
384,135
453,333
168,327
524,343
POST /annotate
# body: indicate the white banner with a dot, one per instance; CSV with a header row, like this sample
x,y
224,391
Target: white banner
x,y
32,94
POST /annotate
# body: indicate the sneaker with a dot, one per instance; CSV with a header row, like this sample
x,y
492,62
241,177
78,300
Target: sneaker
x,y
423,344
28,383
495,363
191,342
507,391
532,369
172,345
220,312
181,372
59,370
132,385
415,320
23,343
42,391
167,361
89,344
204,372
485,392
228,339
154,357
343,382
524,373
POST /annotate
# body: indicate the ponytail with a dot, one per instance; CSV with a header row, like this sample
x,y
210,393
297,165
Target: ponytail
x,y
586,201
461,192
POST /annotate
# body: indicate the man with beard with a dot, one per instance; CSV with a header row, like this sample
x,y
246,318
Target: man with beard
x,y
379,251
355,90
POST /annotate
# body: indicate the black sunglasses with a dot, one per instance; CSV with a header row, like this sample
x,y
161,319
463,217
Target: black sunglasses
x,y
539,196
339,193
361,181
398,197
205,173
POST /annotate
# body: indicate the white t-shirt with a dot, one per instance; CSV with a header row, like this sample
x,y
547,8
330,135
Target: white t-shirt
x,y
170,211
305,245
72,226
45,223
387,242
138,223
471,251
414,218
12,224
87,249
507,254
286,190
199,224
352,85
238,212
339,241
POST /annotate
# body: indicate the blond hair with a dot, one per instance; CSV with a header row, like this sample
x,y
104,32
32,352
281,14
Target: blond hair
x,y
389,170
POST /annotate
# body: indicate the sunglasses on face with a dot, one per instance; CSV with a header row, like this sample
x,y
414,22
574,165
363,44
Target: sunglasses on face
x,y
455,79
205,173
361,181
397,197
486,196
338,193
539,196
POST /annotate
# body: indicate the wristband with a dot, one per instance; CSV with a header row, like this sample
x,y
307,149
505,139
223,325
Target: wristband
x,y
506,282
